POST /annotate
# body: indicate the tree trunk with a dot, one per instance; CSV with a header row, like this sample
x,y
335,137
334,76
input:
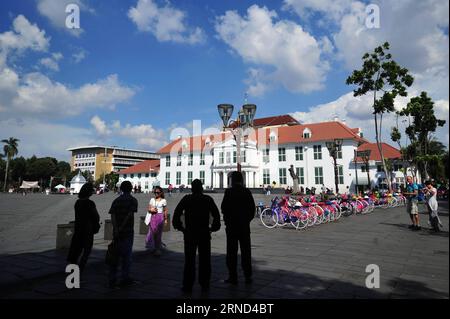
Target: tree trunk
x,y
6,173
380,149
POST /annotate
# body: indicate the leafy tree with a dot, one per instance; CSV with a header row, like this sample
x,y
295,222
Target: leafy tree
x,y
396,137
446,164
420,132
2,169
18,169
42,169
63,169
10,150
381,75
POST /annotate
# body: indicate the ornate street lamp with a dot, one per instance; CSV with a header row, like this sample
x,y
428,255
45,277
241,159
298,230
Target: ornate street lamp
x,y
244,120
333,148
225,112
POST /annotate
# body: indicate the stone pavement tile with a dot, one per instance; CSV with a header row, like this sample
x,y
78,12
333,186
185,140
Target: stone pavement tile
x,y
326,294
51,288
322,274
327,266
38,273
7,278
277,293
19,263
417,281
26,295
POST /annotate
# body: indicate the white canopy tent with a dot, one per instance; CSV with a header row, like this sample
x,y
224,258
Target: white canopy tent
x,y
60,186
28,185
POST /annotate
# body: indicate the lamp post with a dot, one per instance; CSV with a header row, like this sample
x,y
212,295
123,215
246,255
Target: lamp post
x,y
333,148
243,121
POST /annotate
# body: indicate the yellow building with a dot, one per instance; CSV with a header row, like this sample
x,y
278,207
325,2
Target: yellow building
x,y
100,160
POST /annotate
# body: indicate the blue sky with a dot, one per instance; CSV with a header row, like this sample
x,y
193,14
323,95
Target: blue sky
x,y
139,68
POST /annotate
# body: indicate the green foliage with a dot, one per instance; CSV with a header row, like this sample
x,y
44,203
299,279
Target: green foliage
x,y
395,135
18,168
10,149
63,169
42,168
428,153
421,108
381,74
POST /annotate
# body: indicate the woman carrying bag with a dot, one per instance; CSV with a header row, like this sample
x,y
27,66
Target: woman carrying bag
x,y
155,219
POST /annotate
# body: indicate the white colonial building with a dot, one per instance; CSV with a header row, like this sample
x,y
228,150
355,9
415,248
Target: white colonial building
x,y
267,152
143,176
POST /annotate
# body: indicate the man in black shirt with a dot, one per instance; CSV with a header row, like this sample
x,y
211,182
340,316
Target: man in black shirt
x,y
122,217
238,209
197,209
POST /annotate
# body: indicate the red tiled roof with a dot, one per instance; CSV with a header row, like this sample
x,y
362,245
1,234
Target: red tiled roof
x,y
148,166
388,151
285,119
193,143
325,131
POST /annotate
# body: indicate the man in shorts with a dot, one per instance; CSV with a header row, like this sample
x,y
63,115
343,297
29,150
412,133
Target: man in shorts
x,y
412,190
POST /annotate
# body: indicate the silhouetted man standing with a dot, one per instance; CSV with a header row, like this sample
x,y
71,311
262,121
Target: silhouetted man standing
x,y
197,209
238,209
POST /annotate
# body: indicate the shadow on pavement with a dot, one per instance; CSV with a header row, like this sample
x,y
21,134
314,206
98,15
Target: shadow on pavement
x,y
43,277
423,232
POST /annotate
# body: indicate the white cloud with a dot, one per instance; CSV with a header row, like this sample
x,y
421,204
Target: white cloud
x,y
41,138
332,9
100,126
142,134
36,94
357,112
55,11
23,37
166,23
413,28
79,56
281,50
51,62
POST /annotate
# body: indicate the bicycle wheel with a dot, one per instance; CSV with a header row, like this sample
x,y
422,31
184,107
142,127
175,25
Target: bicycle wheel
x,y
295,217
312,216
346,209
269,218
337,211
303,220
321,216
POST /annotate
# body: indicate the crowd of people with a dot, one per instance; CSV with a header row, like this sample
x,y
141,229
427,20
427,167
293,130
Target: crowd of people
x,y
191,216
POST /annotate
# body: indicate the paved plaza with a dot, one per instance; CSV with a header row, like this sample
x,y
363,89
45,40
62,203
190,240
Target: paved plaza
x,y
326,261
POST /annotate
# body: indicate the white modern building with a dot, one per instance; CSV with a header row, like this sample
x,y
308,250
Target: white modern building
x,y
99,159
267,153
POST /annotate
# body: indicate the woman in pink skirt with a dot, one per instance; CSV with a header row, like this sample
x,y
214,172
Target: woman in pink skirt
x,y
158,210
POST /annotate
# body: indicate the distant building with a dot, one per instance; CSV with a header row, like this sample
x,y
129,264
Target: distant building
x,y
143,175
100,160
376,176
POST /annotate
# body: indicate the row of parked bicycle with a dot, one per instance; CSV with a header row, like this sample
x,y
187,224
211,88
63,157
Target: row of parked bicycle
x,y
307,211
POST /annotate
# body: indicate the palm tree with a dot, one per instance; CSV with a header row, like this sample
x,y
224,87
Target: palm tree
x,y
10,149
